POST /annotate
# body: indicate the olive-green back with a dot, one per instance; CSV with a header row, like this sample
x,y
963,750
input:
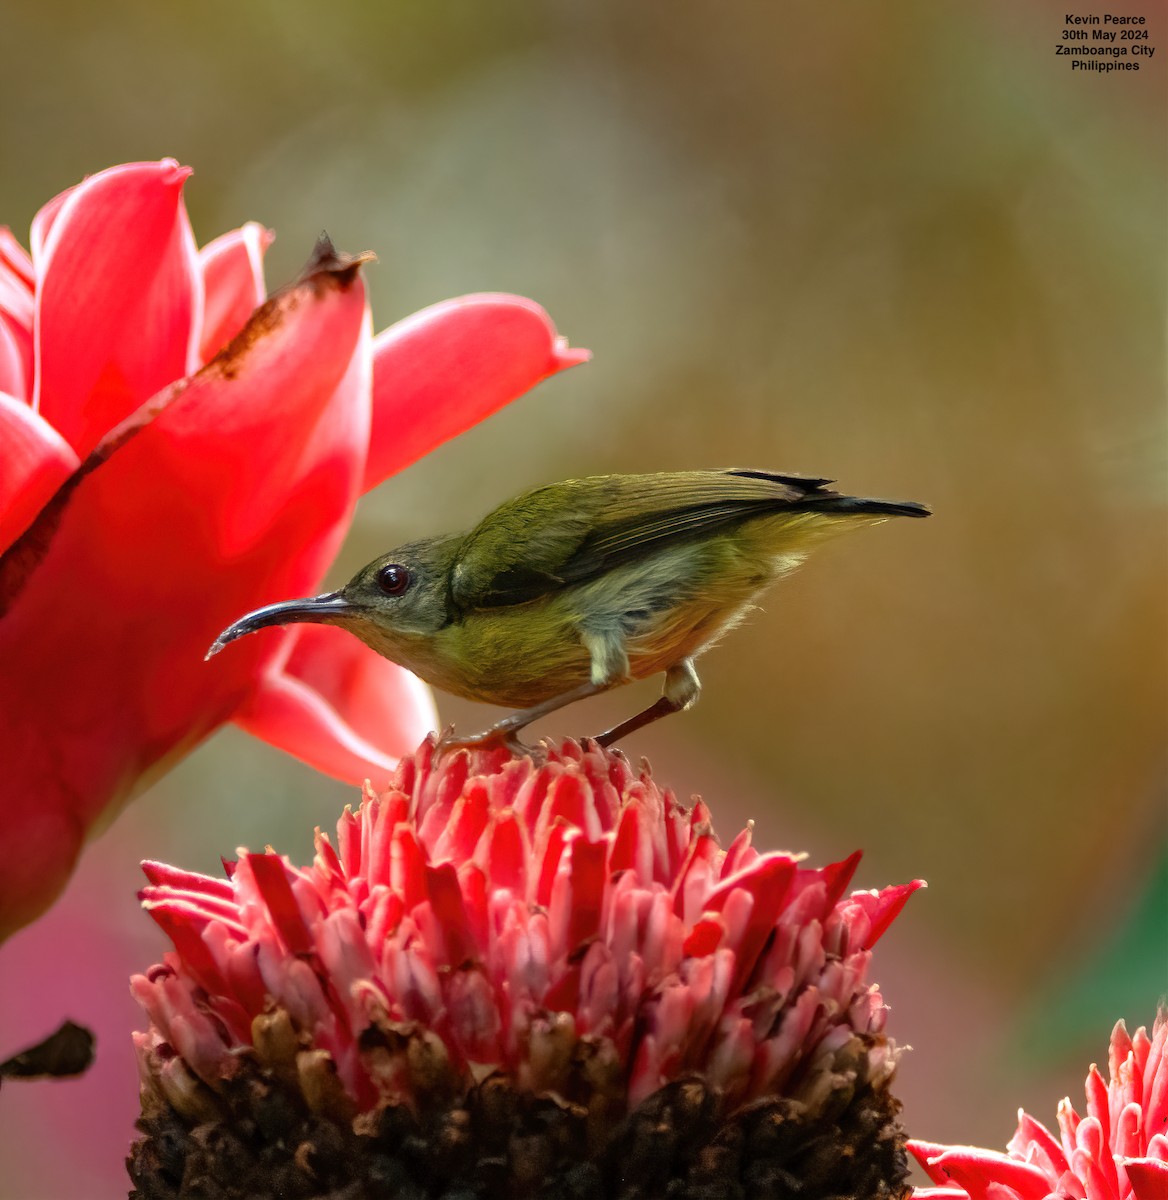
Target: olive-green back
x,y
569,532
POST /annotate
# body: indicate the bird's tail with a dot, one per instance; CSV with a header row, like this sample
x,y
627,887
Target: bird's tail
x,y
789,534
856,506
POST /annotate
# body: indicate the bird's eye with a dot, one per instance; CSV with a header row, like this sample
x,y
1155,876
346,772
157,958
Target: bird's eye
x,y
394,579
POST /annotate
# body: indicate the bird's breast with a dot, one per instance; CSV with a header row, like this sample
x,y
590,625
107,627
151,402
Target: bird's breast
x,y
514,656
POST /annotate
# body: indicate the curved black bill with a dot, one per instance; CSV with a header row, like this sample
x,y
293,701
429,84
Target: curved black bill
x,y
324,610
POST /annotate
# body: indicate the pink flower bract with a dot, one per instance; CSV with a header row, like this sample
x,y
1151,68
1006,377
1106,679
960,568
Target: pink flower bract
x,y
174,455
1118,1151
509,911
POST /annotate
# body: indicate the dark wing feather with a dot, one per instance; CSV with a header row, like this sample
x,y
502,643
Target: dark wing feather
x,y
624,541
508,585
574,531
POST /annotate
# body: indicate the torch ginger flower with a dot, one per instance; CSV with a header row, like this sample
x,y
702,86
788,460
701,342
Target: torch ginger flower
x,y
507,977
1119,1151
176,451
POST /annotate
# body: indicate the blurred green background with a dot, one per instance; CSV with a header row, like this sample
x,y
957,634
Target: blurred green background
x,y
900,245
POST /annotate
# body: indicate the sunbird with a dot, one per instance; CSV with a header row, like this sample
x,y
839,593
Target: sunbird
x,y
578,587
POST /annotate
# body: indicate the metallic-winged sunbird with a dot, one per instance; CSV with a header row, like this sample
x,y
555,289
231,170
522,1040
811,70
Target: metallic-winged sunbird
x,y
580,586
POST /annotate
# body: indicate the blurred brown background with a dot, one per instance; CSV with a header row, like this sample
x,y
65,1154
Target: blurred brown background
x,y
904,246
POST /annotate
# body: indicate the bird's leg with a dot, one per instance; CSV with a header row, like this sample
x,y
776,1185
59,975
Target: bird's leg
x,y
504,732
680,691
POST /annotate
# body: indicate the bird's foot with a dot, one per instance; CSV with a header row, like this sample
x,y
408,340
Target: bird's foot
x,y
489,739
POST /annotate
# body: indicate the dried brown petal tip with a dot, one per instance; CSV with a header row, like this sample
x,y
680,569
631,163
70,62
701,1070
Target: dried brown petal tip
x,y
68,1051
327,260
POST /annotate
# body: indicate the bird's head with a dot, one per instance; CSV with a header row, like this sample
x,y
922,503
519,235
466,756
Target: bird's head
x,y
397,599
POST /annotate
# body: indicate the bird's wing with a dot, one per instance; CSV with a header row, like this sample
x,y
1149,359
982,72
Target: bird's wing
x,y
550,538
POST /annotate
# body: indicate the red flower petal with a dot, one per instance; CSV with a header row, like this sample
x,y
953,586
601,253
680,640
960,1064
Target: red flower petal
x,y
750,921
1093,1162
14,257
16,317
215,506
453,933
16,298
1155,1084
116,297
44,220
883,907
339,706
924,1152
468,821
587,875
189,882
271,879
450,366
983,1173
1097,1102
15,358
505,852
703,939
838,875
1034,1142
1148,1178
35,462
233,284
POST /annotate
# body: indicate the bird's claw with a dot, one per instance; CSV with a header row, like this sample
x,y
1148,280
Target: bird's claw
x,y
488,739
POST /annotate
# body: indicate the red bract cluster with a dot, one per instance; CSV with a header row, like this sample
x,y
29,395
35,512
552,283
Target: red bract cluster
x,y
176,451
511,910
1118,1151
